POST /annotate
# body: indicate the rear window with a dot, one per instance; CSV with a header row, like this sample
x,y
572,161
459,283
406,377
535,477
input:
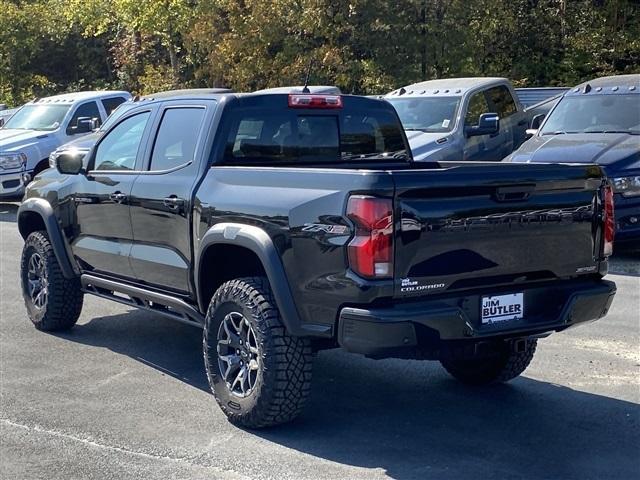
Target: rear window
x,y
265,136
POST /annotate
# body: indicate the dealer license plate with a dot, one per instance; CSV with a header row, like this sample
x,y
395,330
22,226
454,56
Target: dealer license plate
x,y
502,308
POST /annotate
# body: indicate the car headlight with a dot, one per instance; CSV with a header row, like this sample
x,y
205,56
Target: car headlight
x,y
627,186
11,160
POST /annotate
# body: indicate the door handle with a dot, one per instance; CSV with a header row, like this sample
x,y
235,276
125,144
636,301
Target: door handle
x,y
118,197
173,202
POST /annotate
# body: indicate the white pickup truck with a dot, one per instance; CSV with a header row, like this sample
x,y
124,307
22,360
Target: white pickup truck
x,y
42,125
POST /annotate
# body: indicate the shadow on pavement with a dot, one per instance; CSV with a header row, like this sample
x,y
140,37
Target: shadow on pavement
x,y
8,211
411,420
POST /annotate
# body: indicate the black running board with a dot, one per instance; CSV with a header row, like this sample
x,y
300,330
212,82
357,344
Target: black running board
x,y
141,298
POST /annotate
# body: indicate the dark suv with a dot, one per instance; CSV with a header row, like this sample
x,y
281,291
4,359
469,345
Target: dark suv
x,y
597,122
283,224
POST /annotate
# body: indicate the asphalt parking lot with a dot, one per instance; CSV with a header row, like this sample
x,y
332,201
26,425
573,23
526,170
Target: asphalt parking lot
x,y
124,395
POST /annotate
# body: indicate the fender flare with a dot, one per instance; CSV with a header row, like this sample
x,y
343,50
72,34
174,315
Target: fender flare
x,y
258,241
60,246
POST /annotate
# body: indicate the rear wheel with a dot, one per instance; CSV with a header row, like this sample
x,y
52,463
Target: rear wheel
x,y
53,302
259,374
506,365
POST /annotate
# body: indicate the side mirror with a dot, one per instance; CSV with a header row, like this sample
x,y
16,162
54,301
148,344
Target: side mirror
x,y
83,125
69,163
488,124
1,122
95,124
536,121
530,132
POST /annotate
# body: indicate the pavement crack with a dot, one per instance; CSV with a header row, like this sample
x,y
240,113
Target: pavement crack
x,y
95,444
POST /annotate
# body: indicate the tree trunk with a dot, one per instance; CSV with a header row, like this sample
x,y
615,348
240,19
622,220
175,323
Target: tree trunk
x,y
175,63
423,43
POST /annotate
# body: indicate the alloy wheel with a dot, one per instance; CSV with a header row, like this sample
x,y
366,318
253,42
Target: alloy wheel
x,y
37,284
238,354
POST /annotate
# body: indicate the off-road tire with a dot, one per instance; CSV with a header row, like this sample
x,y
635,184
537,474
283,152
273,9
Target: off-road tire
x,y
505,366
63,304
285,362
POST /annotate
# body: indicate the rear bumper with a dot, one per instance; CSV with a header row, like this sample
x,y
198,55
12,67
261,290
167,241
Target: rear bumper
x,y
548,308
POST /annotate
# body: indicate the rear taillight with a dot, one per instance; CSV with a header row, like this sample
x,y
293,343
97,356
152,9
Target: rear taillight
x,y
609,224
371,250
315,101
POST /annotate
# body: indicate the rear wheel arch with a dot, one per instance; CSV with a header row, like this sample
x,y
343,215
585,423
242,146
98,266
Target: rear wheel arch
x,y
229,251
221,262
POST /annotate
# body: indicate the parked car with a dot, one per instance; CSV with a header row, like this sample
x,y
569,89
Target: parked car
x,y
42,125
597,122
284,224
461,118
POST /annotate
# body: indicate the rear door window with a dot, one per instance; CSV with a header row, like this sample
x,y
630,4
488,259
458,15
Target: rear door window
x,y
267,137
177,138
502,101
110,104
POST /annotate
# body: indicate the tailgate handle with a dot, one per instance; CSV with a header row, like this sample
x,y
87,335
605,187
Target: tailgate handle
x,y
515,193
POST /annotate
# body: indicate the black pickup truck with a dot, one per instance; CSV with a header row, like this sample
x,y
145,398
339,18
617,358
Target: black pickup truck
x,y
284,224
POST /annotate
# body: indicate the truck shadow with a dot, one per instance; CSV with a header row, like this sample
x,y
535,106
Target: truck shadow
x,y
408,418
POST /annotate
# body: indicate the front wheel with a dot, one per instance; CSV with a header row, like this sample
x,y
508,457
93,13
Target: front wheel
x,y
502,367
53,302
259,374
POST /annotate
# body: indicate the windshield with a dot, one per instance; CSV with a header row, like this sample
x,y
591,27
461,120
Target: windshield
x,y
115,115
38,117
595,114
427,114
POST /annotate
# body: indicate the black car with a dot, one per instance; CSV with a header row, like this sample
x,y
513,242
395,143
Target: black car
x,y
597,122
284,224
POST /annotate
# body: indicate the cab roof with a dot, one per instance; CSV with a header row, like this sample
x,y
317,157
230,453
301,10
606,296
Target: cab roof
x,y
313,89
446,86
184,92
218,93
70,98
616,84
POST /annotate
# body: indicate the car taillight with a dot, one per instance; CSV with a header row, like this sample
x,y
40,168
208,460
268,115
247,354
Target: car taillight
x,y
371,250
609,225
315,101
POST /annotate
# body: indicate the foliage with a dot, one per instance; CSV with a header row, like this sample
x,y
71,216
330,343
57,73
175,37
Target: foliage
x,y
363,46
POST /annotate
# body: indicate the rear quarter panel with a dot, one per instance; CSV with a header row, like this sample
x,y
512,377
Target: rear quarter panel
x,y
298,208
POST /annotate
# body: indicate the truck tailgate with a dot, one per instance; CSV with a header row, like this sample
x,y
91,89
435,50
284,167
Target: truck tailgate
x,y
477,225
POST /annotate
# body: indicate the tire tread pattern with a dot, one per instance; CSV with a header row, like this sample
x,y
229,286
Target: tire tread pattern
x,y
287,360
489,371
64,297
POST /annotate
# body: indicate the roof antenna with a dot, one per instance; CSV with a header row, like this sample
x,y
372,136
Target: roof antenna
x,y
305,89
